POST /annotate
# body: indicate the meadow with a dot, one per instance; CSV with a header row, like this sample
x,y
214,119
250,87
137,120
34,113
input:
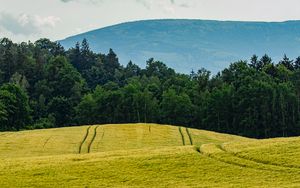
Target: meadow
x,y
145,155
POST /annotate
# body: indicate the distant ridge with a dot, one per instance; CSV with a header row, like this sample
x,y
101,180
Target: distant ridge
x,y
185,44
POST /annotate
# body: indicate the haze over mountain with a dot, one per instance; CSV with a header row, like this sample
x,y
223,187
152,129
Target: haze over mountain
x,y
192,44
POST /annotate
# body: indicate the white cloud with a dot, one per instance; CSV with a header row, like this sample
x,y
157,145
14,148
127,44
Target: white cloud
x,y
144,3
49,21
167,6
100,13
25,24
84,1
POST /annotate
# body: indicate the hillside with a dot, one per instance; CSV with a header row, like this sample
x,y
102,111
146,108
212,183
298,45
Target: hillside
x,y
191,44
145,155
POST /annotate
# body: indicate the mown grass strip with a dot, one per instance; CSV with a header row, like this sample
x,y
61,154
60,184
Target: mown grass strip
x,y
182,137
230,159
262,162
93,138
189,135
232,163
84,139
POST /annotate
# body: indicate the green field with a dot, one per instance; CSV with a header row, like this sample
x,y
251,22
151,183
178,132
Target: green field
x,y
145,155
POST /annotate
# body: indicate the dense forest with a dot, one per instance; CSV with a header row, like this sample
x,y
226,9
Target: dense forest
x,y
42,85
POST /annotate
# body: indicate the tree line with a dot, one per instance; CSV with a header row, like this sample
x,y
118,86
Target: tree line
x,y
42,85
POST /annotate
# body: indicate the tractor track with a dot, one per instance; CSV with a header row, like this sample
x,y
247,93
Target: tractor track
x,y
46,141
182,137
93,138
189,135
242,164
102,136
221,147
84,139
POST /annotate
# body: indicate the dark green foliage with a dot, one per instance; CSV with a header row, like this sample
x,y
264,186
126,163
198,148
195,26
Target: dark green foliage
x,y
3,116
176,108
44,86
48,122
287,63
297,63
14,108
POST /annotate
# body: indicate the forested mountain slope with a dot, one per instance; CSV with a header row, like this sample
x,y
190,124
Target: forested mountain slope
x,y
192,44
42,85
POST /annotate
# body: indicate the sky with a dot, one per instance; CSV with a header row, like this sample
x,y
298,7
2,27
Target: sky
x,y
24,20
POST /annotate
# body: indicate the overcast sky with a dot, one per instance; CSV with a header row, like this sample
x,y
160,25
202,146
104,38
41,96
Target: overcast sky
x,y
23,20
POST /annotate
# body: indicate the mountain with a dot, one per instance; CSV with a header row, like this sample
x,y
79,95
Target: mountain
x,y
192,44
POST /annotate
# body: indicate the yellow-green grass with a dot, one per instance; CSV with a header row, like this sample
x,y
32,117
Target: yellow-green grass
x,y
203,137
279,151
145,155
138,136
41,142
108,138
179,166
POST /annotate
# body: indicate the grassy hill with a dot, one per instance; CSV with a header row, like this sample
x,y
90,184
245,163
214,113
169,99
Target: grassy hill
x,y
145,155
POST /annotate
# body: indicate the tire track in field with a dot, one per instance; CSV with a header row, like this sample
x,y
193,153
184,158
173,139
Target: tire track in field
x,y
220,160
93,138
189,135
240,162
102,136
182,137
48,139
221,147
84,139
